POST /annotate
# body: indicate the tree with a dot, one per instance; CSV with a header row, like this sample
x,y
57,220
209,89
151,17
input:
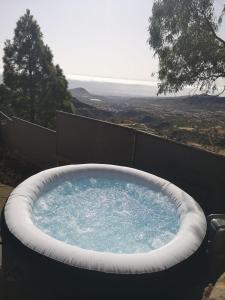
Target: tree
x,y
184,35
3,97
35,87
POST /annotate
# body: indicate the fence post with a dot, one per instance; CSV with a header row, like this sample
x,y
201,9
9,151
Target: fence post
x,y
134,149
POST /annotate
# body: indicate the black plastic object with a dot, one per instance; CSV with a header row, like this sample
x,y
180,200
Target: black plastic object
x,y
216,245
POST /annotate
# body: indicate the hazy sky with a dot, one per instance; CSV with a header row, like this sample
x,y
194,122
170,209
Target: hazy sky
x,y
103,38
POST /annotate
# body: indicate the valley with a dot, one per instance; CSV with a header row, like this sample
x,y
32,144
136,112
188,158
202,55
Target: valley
x,y
197,120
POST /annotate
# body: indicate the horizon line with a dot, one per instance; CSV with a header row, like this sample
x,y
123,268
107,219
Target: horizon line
x,y
110,80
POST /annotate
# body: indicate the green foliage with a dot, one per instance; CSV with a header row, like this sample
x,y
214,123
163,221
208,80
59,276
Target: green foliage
x,y
184,36
3,96
35,87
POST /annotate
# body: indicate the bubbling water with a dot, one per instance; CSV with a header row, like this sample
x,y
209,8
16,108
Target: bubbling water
x,y
107,214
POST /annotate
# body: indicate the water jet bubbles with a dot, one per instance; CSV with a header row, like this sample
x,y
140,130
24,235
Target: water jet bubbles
x,y
107,214
93,181
128,185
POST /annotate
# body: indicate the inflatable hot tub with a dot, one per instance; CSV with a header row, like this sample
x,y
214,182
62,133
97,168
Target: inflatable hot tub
x,y
52,228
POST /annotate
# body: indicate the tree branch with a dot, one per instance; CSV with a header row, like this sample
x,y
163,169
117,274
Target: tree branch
x,y
220,93
212,77
213,31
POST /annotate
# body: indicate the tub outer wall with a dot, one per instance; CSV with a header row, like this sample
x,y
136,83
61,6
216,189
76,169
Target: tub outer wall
x,y
36,277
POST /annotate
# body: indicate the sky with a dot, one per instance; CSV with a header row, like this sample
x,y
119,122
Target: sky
x,y
103,38
100,38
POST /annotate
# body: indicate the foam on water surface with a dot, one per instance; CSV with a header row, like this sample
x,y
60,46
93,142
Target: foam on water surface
x,y
107,214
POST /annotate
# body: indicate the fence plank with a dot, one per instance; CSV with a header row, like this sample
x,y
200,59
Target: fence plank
x,y
198,172
85,140
34,143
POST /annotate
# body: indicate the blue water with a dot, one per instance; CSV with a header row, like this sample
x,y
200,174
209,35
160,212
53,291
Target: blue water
x,y
107,214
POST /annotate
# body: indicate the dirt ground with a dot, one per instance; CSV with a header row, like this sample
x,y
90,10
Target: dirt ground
x,y
13,170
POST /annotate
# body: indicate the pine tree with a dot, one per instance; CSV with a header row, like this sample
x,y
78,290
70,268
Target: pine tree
x,y
36,86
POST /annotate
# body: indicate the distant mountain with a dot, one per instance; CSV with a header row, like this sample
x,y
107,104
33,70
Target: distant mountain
x,y
205,100
85,96
80,93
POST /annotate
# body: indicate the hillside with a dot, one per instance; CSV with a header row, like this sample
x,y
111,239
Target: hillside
x,y
197,120
86,110
80,93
